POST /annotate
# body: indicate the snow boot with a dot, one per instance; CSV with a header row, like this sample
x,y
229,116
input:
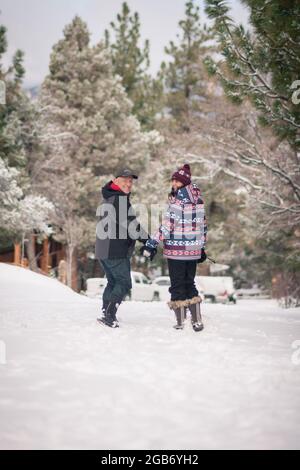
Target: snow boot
x,y
110,318
185,312
104,307
194,306
179,314
179,308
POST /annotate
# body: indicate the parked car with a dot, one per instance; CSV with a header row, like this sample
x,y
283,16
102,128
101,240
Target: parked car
x,y
252,293
163,283
217,288
95,286
142,288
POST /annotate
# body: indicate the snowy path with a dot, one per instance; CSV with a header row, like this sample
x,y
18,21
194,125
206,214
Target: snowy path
x,y
71,383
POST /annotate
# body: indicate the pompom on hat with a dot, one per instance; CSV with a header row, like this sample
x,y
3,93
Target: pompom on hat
x,y
183,175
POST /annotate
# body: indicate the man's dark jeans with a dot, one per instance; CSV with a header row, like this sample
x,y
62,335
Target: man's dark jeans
x,y
118,279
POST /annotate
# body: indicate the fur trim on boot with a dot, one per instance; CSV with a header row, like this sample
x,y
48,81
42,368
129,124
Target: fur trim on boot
x,y
173,304
194,300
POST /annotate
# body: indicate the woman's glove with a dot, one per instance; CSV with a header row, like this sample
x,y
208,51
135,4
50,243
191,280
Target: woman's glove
x,y
203,256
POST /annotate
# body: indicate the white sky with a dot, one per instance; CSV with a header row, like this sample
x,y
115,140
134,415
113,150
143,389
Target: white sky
x,y
36,25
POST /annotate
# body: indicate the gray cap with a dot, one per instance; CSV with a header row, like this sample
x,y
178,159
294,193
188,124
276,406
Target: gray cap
x,y
126,173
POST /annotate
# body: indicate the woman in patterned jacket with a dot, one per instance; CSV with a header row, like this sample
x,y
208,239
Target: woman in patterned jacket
x,y
183,233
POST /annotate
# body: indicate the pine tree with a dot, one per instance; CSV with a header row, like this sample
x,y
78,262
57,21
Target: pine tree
x,y
88,131
18,136
23,210
11,146
261,68
21,214
262,65
184,76
131,62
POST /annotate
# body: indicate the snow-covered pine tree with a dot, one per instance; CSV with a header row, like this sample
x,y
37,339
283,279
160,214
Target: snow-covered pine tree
x,y
88,131
19,214
262,65
10,191
22,209
11,148
131,62
185,77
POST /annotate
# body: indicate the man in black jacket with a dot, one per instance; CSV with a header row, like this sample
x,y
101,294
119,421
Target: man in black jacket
x,y
117,232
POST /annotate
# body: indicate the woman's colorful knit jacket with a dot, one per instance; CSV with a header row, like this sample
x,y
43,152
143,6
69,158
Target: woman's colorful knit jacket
x,y
184,228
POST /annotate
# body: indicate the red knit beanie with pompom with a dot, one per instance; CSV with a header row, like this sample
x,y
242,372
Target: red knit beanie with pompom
x,y
183,175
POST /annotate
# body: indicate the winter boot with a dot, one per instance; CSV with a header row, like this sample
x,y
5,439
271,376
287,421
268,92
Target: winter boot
x,y
110,318
185,312
179,314
195,310
179,308
104,307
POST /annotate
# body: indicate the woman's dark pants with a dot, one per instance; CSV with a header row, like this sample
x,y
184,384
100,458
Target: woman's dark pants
x,y
182,276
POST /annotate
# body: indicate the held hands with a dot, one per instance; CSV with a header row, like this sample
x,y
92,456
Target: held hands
x,y
148,252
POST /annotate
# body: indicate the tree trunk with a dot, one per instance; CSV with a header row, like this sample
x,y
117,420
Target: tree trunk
x,y
17,254
45,256
69,252
71,267
30,248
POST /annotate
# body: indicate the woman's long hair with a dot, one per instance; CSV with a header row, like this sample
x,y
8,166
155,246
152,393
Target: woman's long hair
x,y
172,195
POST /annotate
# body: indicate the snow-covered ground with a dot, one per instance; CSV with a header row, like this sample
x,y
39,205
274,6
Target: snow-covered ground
x,y
68,382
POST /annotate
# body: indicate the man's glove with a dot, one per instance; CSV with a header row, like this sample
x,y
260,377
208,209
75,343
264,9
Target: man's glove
x,y
148,252
203,256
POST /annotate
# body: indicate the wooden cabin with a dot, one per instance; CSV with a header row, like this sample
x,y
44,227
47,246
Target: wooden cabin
x,y
50,258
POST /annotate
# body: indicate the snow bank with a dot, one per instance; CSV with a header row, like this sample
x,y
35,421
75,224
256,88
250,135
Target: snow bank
x,y
67,382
